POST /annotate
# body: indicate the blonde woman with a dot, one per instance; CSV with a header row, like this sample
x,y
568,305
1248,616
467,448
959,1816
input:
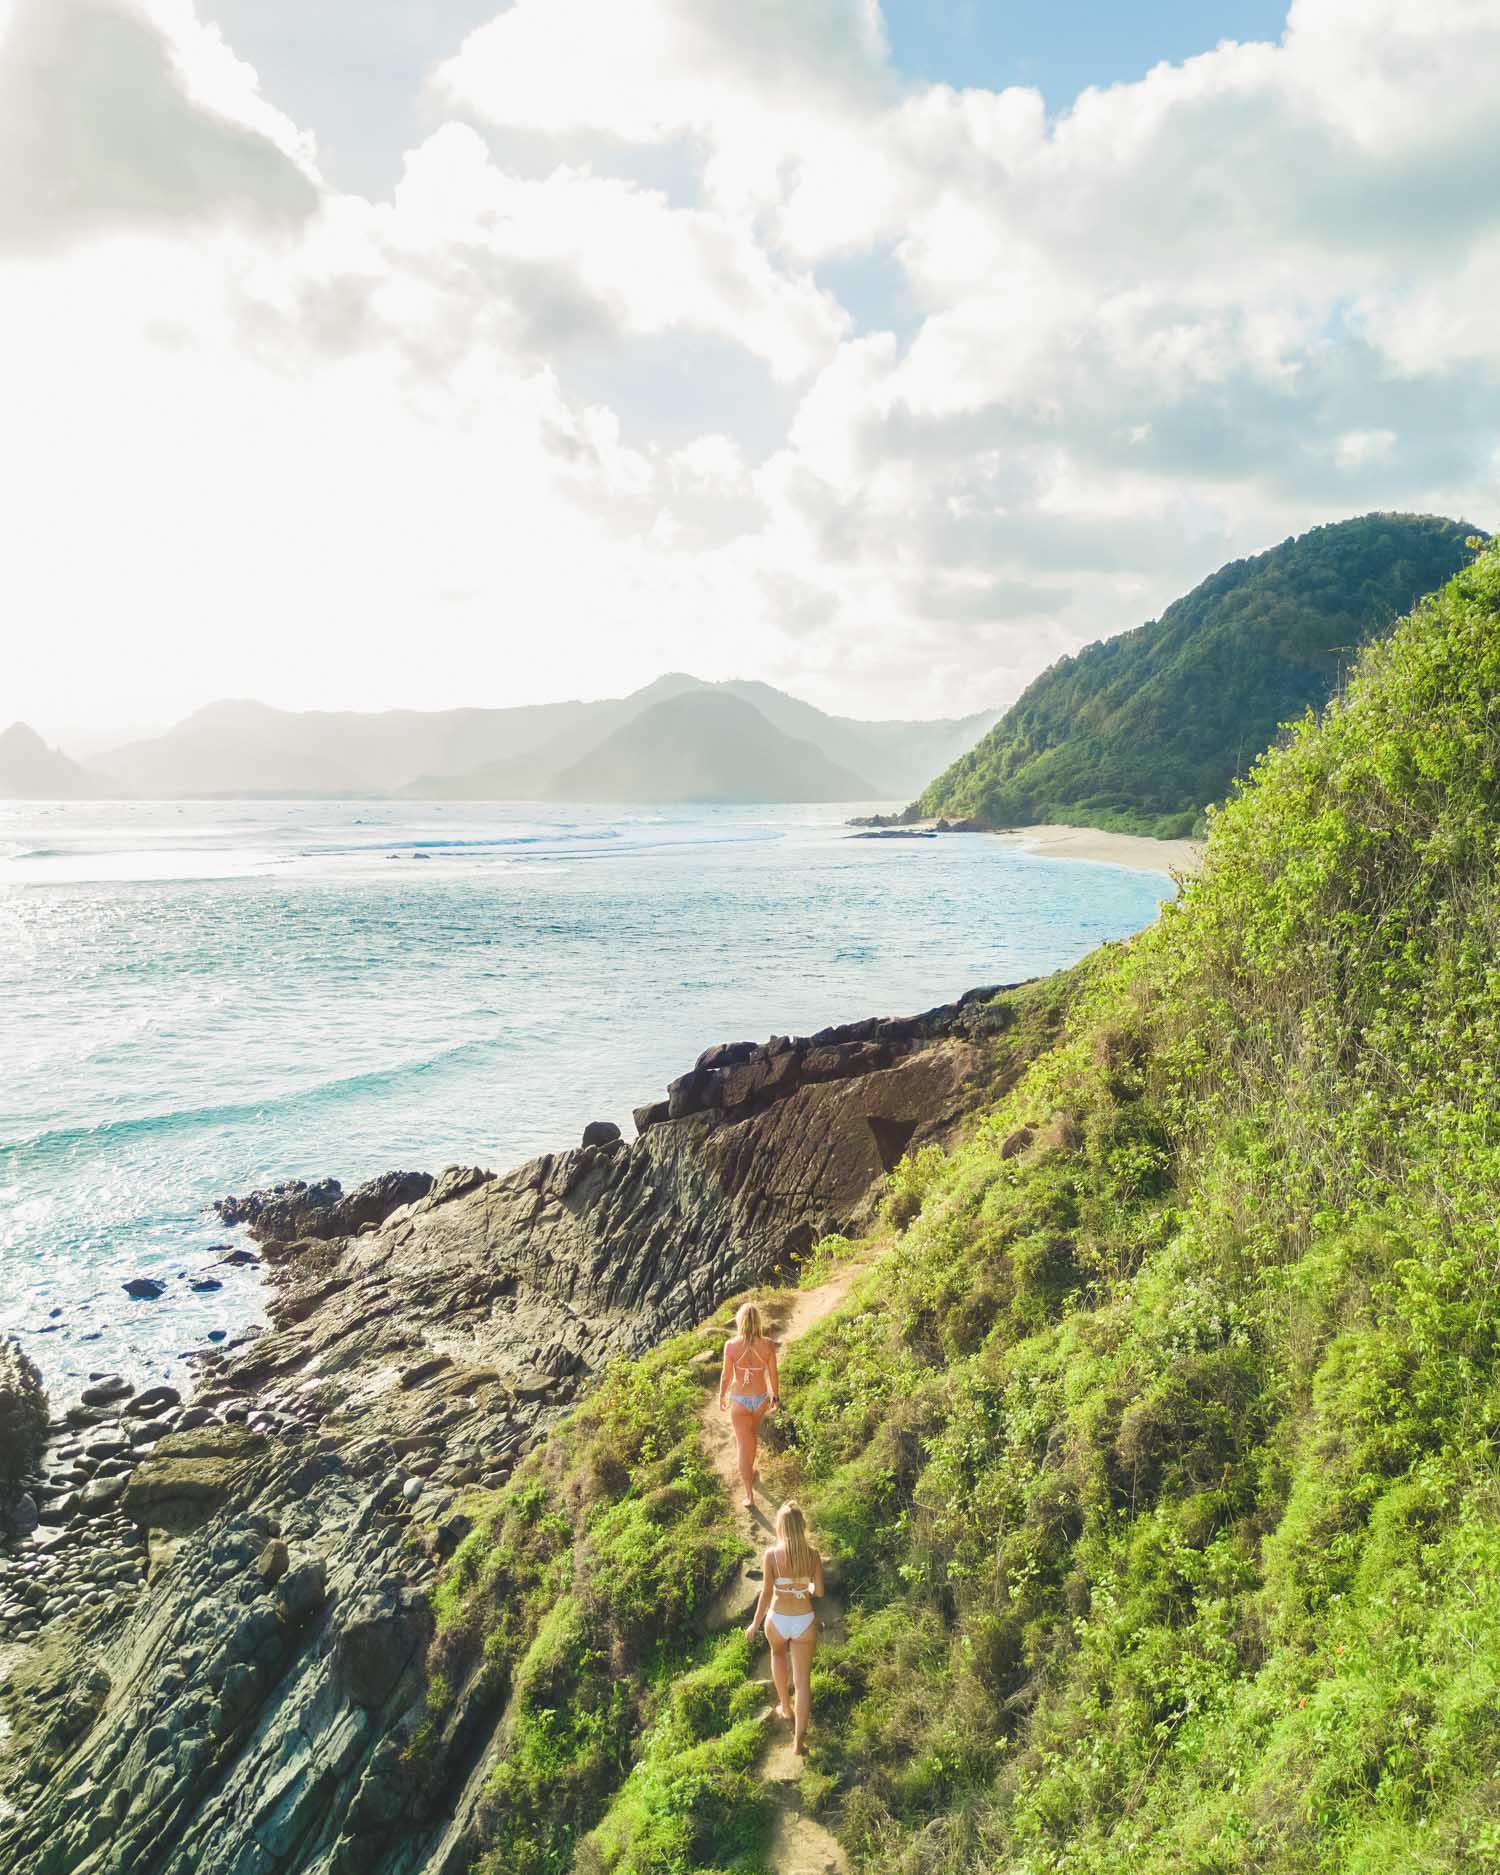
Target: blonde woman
x,y
748,1390
793,1575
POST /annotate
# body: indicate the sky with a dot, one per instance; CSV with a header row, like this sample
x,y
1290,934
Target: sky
x,y
368,354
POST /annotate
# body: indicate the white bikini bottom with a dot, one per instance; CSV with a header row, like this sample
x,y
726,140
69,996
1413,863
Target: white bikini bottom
x,y
789,1627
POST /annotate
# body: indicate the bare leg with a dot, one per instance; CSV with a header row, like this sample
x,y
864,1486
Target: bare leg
x,y
778,1673
747,1439
802,1653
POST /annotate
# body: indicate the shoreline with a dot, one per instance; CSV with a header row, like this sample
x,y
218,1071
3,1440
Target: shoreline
x,y
1138,851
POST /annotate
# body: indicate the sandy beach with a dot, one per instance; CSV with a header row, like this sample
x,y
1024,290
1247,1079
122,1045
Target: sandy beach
x,y
1112,849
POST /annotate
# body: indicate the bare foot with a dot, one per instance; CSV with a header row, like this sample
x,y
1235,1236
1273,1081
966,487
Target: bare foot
x,y
782,1713
799,1747
748,1502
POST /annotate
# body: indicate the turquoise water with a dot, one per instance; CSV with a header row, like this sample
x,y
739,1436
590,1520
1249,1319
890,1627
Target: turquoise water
x,y
197,999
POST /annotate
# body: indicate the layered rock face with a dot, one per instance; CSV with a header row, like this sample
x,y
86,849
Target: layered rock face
x,y
248,1709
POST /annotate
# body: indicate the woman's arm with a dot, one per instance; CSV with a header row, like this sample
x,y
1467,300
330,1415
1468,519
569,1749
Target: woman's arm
x,y
767,1590
724,1376
817,1581
773,1379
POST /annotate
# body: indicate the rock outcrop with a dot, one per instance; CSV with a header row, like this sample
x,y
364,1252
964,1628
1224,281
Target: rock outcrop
x,y
224,1624
298,1209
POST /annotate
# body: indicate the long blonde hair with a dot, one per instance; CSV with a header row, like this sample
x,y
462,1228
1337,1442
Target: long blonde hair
x,y
747,1321
800,1557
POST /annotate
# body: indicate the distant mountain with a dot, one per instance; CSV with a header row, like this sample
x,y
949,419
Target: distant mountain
x,y
706,745
899,756
894,757
1141,732
525,772
30,771
241,747
245,748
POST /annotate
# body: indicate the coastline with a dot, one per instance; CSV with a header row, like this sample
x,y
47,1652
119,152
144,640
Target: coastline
x,y
1138,851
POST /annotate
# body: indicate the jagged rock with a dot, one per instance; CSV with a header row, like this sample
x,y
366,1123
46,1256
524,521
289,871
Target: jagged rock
x,y
269,1690
237,1697
378,1642
287,1212
145,1288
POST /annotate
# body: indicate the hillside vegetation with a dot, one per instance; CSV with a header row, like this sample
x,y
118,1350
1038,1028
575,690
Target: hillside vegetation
x,y
1141,732
1159,1447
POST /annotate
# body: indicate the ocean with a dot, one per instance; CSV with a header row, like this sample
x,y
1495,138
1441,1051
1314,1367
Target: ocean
x,y
199,998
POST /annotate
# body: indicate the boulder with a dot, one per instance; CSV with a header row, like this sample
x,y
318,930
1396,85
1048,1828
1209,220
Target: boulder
x,y
145,1288
303,1589
273,1562
188,1475
107,1388
101,1491
601,1133
23,1516
151,1401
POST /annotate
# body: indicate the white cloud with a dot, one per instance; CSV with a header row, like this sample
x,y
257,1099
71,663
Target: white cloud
x,y
534,427
114,112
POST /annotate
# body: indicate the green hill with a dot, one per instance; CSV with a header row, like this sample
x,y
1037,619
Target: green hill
x,y
1158,1447
1141,732
706,745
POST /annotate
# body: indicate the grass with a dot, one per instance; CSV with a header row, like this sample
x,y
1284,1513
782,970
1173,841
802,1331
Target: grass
x,y
1161,1449
1162,1453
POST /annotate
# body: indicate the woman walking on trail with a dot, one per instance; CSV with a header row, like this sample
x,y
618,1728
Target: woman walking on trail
x,y
793,1575
749,1388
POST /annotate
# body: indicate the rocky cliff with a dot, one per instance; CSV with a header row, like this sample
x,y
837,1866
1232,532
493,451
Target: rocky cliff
x,y
214,1653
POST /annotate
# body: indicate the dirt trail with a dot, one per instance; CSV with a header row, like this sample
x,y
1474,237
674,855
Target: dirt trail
x,y
800,1845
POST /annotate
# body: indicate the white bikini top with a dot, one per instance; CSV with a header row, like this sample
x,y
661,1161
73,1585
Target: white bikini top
x,y
743,1370
788,1586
